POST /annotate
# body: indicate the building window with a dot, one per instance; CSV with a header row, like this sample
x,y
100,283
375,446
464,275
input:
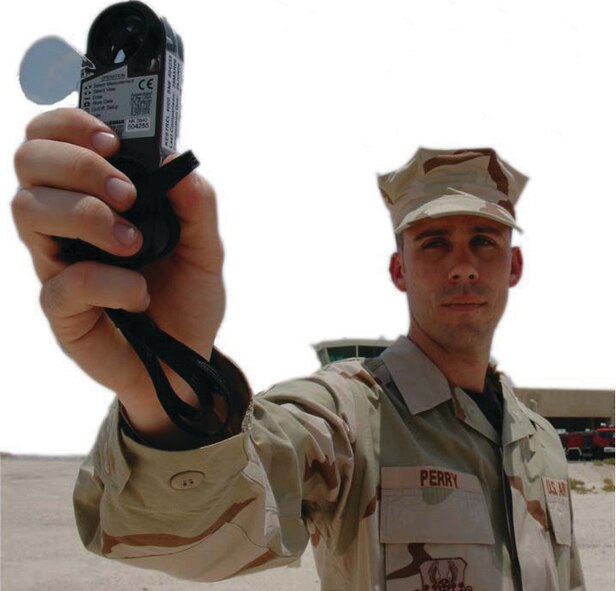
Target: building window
x,y
370,350
338,353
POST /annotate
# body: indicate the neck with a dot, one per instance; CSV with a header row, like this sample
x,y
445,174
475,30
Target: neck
x,y
465,368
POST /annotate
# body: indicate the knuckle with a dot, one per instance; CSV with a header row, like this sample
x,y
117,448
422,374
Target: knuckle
x,y
23,154
66,287
21,206
90,212
52,296
45,297
84,164
34,129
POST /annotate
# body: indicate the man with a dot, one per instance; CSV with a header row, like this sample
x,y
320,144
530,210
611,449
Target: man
x,y
418,469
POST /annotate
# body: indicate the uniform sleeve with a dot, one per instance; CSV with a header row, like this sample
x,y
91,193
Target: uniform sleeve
x,y
234,507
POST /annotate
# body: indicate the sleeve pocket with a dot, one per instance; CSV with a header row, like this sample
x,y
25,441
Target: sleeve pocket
x,y
557,501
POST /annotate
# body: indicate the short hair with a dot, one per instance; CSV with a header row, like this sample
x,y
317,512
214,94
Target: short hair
x,y
399,241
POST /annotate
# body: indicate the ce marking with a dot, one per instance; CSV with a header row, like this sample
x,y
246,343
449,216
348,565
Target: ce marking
x,y
149,84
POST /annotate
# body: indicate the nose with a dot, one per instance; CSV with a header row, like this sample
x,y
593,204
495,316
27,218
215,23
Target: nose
x,y
463,270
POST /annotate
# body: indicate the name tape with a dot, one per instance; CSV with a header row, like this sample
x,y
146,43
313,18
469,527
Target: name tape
x,y
555,488
428,477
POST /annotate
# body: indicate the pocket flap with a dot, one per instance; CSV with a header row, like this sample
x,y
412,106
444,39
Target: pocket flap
x,y
431,504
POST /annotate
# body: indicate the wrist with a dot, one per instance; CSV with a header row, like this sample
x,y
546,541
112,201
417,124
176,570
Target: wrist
x,y
157,431
148,422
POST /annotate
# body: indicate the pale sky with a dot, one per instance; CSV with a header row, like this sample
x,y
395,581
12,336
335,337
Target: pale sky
x,y
293,108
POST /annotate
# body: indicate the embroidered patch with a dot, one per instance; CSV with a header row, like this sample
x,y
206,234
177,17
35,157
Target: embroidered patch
x,y
443,574
555,488
557,500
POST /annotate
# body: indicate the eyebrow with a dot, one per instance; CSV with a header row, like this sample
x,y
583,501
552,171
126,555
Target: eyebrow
x,y
429,234
494,231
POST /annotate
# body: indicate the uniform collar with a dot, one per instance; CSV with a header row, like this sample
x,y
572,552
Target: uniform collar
x,y
516,423
423,386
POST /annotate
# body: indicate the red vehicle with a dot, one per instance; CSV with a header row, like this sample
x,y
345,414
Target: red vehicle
x,y
589,445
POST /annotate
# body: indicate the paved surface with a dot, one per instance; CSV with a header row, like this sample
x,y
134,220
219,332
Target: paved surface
x,y
41,550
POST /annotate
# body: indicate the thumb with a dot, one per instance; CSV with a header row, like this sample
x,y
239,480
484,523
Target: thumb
x,y
194,201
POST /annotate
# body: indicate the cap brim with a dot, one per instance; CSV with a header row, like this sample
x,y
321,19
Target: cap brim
x,y
462,204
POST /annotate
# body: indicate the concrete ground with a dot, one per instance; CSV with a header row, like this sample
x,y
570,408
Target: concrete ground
x,y
41,551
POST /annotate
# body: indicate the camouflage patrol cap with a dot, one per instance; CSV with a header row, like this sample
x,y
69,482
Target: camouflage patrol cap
x,y
439,183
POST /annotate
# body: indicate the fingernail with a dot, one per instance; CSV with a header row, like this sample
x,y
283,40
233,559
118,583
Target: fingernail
x,y
118,190
103,141
126,235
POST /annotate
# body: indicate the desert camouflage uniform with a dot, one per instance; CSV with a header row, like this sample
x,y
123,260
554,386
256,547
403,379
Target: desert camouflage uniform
x,y
392,473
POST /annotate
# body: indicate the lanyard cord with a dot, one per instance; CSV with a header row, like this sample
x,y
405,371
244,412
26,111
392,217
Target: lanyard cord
x,y
153,215
151,344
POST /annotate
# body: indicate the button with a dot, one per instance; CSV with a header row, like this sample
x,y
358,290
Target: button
x,y
185,480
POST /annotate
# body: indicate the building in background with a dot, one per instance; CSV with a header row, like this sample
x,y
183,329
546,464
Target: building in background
x,y
330,351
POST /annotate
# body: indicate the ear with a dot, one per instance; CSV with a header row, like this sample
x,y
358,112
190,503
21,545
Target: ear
x,y
396,271
517,264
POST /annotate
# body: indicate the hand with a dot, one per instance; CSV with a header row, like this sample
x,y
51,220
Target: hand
x,y
68,189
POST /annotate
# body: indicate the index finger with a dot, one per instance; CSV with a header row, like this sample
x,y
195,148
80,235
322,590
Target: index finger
x,y
74,126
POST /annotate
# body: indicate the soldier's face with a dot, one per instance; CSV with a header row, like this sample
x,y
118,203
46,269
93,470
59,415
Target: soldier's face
x,y
456,272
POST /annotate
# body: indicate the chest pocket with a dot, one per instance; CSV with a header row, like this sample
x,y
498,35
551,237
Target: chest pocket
x,y
430,504
435,526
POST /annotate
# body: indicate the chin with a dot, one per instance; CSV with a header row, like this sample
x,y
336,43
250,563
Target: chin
x,y
467,337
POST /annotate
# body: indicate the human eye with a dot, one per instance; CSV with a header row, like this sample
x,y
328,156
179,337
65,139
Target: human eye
x,y
434,244
482,241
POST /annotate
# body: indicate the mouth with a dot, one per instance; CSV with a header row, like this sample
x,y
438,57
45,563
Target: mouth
x,y
464,305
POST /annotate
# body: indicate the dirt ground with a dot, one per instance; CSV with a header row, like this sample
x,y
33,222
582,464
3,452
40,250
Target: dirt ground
x,y
41,551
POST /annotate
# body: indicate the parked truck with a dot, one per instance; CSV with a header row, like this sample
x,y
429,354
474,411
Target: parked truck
x,y
589,445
